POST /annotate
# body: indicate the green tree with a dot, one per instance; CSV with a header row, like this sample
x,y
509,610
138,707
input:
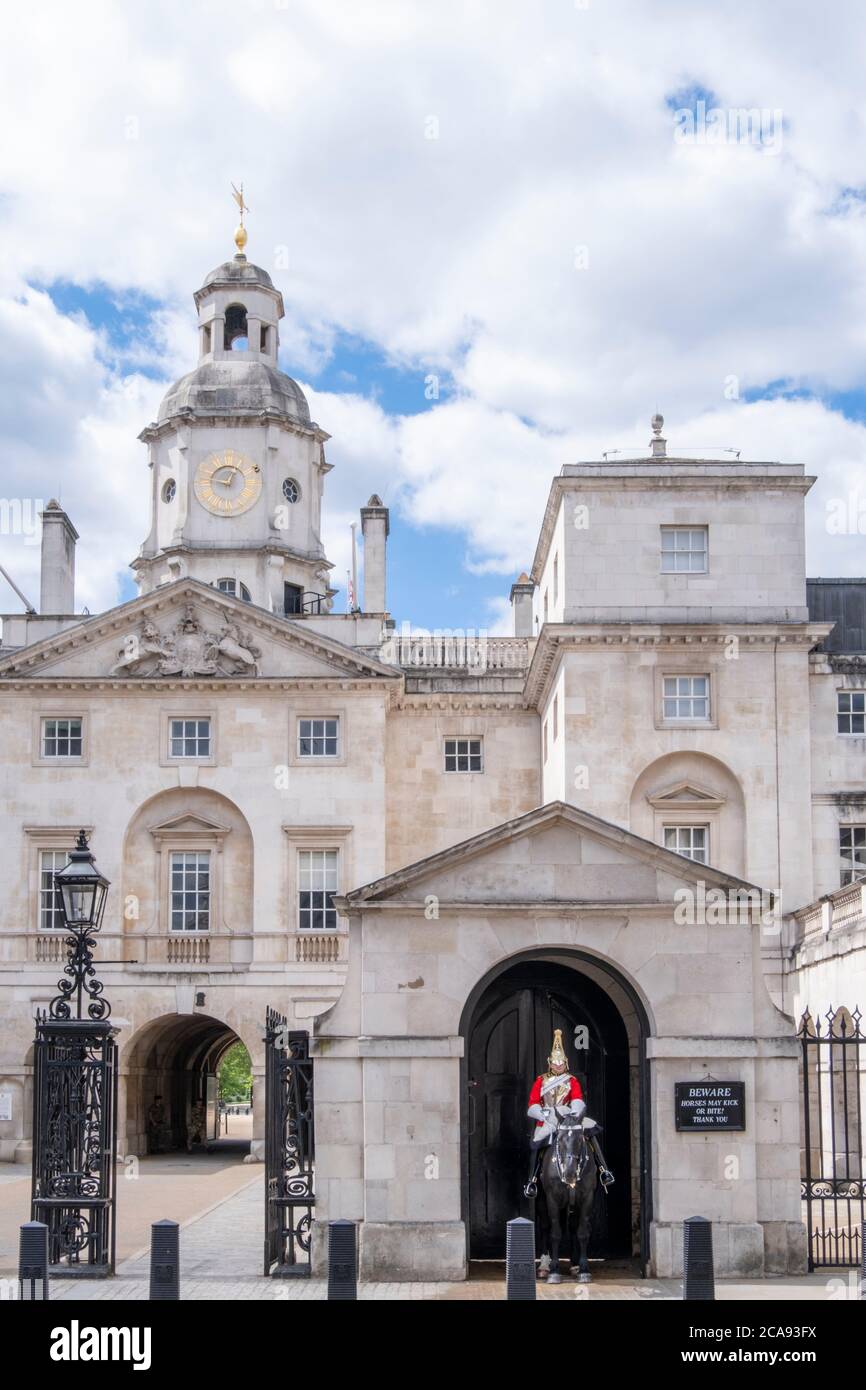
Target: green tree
x,y
236,1074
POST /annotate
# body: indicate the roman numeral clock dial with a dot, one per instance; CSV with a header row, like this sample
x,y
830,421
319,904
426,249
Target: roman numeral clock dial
x,y
228,483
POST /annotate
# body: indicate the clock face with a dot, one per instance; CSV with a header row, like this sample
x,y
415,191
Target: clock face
x,y
228,483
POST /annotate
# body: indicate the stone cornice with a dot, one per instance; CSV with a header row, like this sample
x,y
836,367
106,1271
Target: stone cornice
x,y
674,477
555,638
140,685
457,703
187,419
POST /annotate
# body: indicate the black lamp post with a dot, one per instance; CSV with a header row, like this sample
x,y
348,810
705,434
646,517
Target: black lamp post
x,y
75,1090
83,890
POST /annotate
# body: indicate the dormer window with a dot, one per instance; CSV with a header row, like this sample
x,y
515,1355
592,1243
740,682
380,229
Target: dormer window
x,y
236,339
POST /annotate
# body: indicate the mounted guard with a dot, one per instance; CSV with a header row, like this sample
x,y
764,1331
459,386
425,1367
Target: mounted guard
x,y
554,1095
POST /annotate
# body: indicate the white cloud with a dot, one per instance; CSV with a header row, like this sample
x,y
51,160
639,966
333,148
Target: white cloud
x,y
462,254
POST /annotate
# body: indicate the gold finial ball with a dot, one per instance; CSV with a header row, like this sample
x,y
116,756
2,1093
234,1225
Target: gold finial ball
x,y
240,238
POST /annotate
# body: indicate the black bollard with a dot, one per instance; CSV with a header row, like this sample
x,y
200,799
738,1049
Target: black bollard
x,y
164,1262
698,1280
520,1259
33,1262
342,1261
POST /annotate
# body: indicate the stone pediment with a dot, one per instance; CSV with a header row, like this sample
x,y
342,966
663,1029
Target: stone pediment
x,y
557,854
686,795
190,631
188,823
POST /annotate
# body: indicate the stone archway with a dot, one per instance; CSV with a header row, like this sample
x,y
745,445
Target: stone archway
x,y
507,1027
173,1062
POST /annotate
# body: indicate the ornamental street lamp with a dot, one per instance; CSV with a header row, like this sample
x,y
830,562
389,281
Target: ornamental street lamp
x,y
75,1089
82,889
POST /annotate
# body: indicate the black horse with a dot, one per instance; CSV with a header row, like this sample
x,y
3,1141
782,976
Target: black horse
x,y
568,1181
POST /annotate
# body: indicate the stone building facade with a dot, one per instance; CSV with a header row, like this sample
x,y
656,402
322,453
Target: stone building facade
x,y
428,851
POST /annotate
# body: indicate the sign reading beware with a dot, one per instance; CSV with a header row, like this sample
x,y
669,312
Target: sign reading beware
x,y
702,1105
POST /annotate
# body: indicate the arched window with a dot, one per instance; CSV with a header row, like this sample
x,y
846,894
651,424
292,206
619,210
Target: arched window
x,y
235,588
236,339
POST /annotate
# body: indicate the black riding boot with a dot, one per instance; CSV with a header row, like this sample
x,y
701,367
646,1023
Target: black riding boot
x,y
531,1188
605,1176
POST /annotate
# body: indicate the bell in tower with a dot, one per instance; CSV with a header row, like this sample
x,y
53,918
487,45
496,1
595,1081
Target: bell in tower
x,y
237,465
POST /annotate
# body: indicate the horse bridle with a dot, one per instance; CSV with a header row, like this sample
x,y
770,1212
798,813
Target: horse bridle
x,y
570,1128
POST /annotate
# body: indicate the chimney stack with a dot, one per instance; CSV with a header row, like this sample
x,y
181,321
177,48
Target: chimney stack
x,y
374,528
521,605
57,587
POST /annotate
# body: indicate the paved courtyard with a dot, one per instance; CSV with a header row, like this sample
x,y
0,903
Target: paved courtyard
x,y
221,1253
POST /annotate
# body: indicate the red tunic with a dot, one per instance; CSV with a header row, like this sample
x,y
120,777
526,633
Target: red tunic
x,y
535,1097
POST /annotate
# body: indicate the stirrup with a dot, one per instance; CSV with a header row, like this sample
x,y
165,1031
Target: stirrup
x,y
606,1177
531,1189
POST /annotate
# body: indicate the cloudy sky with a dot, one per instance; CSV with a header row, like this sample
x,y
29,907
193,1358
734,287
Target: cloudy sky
x,y
496,200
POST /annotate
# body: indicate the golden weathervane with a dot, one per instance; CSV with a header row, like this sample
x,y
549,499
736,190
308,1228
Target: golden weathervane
x,y
240,230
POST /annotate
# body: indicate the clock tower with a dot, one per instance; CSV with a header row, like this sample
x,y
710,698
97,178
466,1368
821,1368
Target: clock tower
x,y
237,466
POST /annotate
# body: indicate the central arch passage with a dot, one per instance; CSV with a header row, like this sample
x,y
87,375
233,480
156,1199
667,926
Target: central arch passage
x,y
508,1042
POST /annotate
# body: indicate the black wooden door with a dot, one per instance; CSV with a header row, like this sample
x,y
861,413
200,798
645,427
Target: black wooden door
x,y
507,1047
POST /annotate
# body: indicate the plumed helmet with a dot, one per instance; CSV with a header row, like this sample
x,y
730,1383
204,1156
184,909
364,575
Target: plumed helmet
x,y
557,1052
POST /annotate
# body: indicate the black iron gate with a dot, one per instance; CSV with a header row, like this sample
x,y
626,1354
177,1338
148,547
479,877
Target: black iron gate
x,y
831,1136
289,1186
75,1105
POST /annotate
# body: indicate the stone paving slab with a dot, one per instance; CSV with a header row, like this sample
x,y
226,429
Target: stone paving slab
x,y
221,1252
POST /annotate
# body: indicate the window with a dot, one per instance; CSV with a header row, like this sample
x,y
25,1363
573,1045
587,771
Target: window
x,y
189,738
263,338
169,490
544,739
463,755
190,891
205,339
291,490
555,717
51,861
852,853
317,884
61,738
234,587
545,605
555,578
686,697
688,840
850,711
318,738
684,550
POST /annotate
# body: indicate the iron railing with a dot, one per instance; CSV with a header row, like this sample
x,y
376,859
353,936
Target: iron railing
x,y
833,1186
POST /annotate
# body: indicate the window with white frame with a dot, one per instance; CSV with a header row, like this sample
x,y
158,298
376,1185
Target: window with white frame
x,y
317,884
686,697
189,738
62,738
51,861
684,550
691,841
851,711
852,853
190,890
235,588
318,738
463,755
